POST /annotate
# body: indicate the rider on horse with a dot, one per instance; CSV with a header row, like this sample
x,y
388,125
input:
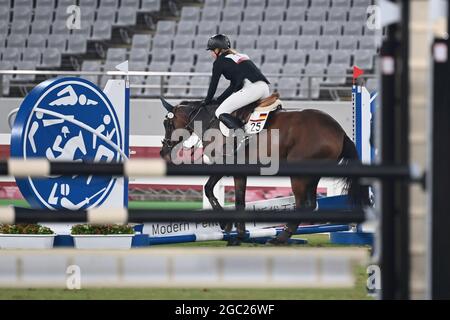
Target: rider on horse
x,y
247,83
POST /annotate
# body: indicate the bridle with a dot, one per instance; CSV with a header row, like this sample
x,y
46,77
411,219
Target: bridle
x,y
167,142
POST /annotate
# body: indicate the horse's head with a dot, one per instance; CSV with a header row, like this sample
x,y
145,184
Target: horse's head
x,y
177,117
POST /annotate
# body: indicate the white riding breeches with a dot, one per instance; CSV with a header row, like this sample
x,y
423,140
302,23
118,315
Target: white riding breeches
x,y
249,93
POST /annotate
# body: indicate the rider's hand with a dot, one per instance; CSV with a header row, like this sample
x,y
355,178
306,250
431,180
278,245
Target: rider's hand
x,y
203,104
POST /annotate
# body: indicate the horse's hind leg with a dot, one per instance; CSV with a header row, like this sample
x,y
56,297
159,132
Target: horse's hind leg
x,y
240,185
305,193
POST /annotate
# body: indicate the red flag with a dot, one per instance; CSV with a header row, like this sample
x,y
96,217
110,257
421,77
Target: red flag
x,y
357,72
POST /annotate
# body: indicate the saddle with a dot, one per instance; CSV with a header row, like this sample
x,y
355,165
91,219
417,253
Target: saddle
x,y
264,105
255,115
268,102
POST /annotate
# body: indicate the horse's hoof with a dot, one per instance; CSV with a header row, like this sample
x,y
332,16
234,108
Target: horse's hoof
x,y
277,242
233,242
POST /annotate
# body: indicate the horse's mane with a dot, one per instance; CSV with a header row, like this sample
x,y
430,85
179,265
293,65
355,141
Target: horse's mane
x,y
187,106
191,111
189,103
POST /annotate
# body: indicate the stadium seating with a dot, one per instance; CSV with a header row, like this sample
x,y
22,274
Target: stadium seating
x,y
288,37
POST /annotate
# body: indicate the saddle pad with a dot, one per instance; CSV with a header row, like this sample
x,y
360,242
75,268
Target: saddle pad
x,y
256,122
258,118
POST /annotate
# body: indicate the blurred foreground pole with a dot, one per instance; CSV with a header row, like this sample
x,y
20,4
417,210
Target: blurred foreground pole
x,y
394,72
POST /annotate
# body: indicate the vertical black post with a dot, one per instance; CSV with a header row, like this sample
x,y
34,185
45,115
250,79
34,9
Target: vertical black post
x,y
403,150
387,259
440,171
395,150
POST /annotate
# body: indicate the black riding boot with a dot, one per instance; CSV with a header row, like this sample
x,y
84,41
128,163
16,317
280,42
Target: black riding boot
x,y
234,123
230,121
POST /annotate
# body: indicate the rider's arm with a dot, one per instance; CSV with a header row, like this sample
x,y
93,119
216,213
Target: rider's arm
x,y
228,92
214,82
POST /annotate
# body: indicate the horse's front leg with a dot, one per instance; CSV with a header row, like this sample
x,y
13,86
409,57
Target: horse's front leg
x,y
209,192
240,185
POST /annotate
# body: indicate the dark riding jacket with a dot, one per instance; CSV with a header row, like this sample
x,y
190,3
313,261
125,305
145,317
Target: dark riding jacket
x,y
236,68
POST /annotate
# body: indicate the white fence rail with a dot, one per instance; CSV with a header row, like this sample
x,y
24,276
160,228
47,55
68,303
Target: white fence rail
x,y
328,86
191,268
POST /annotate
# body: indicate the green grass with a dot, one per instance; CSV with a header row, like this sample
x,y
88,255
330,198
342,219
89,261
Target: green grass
x,y
14,202
188,205
314,241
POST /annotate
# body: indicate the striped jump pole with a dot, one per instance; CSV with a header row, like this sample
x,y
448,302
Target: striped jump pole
x,y
159,168
256,235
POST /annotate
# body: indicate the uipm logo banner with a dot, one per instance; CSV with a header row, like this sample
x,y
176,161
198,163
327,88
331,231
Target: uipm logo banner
x,y
70,119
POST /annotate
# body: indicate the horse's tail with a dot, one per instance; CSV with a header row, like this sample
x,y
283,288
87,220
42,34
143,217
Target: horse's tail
x,y
358,194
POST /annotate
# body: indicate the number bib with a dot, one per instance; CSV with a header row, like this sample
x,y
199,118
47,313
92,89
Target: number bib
x,y
256,122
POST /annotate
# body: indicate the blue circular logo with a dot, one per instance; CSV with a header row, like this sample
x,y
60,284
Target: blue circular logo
x,y
67,119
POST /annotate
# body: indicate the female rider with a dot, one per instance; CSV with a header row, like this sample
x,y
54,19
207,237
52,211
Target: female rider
x,y
247,83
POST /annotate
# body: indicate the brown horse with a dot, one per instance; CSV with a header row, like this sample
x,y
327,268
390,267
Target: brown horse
x,y
303,135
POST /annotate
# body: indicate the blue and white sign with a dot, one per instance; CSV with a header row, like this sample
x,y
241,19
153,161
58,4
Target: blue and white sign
x,y
71,119
363,115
